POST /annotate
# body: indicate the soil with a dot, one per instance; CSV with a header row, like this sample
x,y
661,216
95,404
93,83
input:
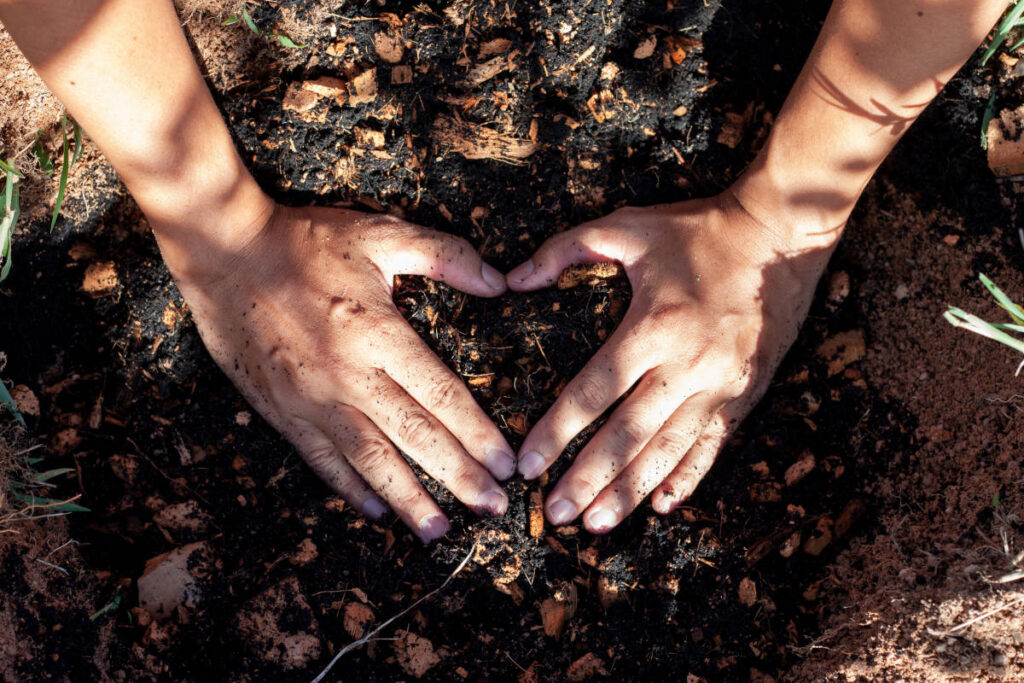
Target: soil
x,y
864,511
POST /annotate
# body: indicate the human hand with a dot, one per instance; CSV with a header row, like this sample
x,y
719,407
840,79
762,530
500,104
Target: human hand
x,y
302,320
718,298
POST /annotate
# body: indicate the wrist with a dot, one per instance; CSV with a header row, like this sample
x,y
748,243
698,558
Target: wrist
x,y
803,213
206,218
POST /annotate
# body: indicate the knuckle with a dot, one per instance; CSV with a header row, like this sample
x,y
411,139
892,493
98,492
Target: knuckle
x,y
587,485
627,435
319,456
589,393
444,393
372,453
672,444
416,429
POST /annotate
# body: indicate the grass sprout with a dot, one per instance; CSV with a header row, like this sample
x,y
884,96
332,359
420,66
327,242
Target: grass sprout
x,y
1000,332
1013,20
246,18
11,213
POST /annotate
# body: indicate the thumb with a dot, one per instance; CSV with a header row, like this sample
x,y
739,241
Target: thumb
x,y
585,244
441,257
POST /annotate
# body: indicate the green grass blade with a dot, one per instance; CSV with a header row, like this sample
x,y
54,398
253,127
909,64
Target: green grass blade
x,y
78,144
46,476
1015,311
45,162
8,402
49,503
65,167
1009,327
8,221
250,23
959,318
232,20
288,42
8,167
110,606
990,112
1012,20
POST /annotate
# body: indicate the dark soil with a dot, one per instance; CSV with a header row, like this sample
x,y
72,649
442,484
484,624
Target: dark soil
x,y
132,401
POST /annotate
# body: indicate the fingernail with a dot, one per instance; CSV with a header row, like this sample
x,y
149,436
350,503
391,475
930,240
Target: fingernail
x,y
433,527
522,271
601,520
494,501
531,465
501,464
561,512
374,509
494,279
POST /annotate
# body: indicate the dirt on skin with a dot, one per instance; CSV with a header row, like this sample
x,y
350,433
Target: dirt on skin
x,y
864,511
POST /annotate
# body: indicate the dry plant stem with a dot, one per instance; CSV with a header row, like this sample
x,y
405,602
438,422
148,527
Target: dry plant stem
x,y
980,617
369,636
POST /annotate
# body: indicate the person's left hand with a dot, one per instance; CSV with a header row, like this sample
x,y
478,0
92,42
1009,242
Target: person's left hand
x,y
717,300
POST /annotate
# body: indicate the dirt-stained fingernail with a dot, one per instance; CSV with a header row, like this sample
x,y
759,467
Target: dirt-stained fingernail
x,y
531,465
601,520
374,509
500,463
522,271
494,501
433,527
561,512
494,279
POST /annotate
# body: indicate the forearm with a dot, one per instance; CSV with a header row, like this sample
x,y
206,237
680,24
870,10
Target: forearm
x,y
125,72
875,67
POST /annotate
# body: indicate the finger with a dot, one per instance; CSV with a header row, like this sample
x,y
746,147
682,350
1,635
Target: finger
x,y
614,446
412,250
383,469
669,447
330,465
430,383
419,434
589,243
608,375
682,481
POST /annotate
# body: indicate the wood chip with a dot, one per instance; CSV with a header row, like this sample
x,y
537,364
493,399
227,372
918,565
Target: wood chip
x,y
646,48
363,88
476,141
494,47
389,47
748,592
401,75
586,667
358,618
100,279
415,654
588,274
536,514
842,349
820,537
25,400
800,469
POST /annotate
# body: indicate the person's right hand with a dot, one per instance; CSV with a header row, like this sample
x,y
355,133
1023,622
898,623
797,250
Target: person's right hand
x,y
303,322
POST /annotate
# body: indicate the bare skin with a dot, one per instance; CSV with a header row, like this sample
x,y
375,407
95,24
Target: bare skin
x,y
284,298
720,286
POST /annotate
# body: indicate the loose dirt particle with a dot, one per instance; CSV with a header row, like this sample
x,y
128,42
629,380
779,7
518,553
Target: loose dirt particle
x,y
100,278
842,350
25,400
646,48
363,88
586,667
358,618
748,592
536,514
800,469
389,47
820,537
279,627
588,274
415,654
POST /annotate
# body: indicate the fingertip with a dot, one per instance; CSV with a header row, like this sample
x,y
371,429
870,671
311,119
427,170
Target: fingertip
x,y
601,520
374,508
532,465
518,275
493,278
433,527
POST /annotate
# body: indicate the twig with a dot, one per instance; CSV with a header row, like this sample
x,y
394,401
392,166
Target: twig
x,y
986,615
369,636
